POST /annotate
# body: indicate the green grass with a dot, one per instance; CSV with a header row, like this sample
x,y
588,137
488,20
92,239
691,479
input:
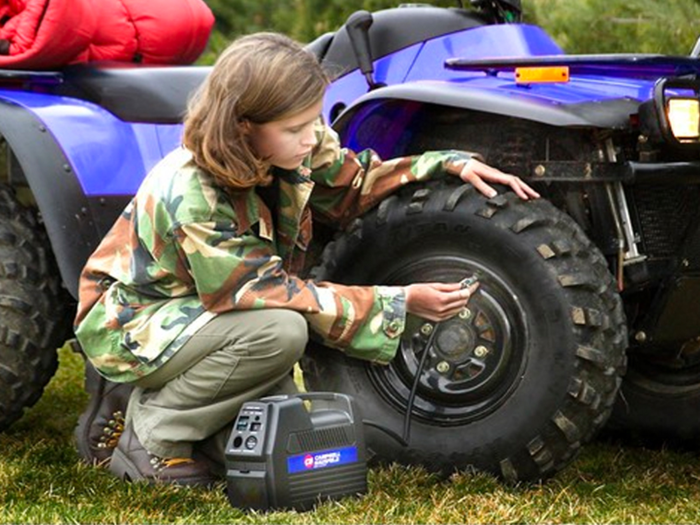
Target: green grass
x,y
43,481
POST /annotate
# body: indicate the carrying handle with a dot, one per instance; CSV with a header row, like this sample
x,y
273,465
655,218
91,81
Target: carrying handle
x,y
335,400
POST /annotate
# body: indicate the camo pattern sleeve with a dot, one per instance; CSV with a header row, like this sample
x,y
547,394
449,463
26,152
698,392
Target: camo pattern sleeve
x,y
185,250
236,270
349,183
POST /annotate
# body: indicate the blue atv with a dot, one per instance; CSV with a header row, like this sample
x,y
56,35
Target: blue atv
x,y
586,311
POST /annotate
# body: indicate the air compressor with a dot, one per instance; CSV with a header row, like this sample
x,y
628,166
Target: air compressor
x,y
292,451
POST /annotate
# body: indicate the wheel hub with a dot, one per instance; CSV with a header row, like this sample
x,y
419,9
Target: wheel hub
x,y
472,364
460,362
454,342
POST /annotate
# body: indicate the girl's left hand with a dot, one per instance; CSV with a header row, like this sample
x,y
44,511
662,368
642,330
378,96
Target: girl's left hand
x,y
477,173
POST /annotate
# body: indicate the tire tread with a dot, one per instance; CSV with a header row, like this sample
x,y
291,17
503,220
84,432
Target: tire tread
x,y
30,299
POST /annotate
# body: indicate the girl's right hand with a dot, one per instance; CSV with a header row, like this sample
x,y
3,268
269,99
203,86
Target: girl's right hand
x,y
437,301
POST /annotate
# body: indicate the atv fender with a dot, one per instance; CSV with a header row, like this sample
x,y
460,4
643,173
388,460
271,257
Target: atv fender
x,y
81,163
608,114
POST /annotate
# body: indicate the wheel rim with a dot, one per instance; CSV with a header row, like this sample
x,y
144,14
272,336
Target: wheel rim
x,y
667,374
476,357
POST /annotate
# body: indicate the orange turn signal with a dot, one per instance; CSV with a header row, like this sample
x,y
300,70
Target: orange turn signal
x,y
535,75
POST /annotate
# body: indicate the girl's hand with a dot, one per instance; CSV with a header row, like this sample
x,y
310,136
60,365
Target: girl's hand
x,y
476,173
437,301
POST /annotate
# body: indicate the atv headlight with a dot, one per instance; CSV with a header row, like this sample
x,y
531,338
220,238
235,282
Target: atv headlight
x,y
673,115
684,118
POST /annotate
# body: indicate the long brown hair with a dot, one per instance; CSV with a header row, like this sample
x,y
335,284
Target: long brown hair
x,y
259,78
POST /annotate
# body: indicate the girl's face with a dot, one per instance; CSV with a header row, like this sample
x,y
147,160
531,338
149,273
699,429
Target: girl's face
x,y
285,143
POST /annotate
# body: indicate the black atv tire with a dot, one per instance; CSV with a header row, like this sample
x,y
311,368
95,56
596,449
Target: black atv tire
x,y
659,402
547,317
34,313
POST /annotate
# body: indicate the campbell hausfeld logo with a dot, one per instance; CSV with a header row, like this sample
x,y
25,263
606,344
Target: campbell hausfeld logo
x,y
323,459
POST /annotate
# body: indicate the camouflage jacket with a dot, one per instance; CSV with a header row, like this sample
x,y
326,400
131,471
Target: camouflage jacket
x,y
185,250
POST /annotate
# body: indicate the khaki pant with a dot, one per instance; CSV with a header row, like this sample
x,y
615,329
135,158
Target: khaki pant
x,y
236,357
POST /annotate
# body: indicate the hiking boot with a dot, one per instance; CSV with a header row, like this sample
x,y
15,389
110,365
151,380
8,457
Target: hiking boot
x,y
102,423
132,462
213,450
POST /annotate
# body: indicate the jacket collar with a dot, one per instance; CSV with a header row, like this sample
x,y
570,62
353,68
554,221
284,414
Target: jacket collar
x,y
295,189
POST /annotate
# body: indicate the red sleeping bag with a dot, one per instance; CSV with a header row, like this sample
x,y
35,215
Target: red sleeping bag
x,y
47,34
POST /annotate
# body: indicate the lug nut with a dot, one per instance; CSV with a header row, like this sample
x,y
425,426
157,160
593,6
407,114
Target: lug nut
x,y
465,314
426,329
443,367
481,351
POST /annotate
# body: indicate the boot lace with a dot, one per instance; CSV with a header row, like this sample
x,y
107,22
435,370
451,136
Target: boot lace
x,y
160,464
112,432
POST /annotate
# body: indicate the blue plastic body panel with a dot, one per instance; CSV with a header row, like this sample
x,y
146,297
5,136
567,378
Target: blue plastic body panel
x,y
82,165
474,70
107,155
426,60
110,156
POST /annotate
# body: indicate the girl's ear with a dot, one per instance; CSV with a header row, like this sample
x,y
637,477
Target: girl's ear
x,y
244,125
